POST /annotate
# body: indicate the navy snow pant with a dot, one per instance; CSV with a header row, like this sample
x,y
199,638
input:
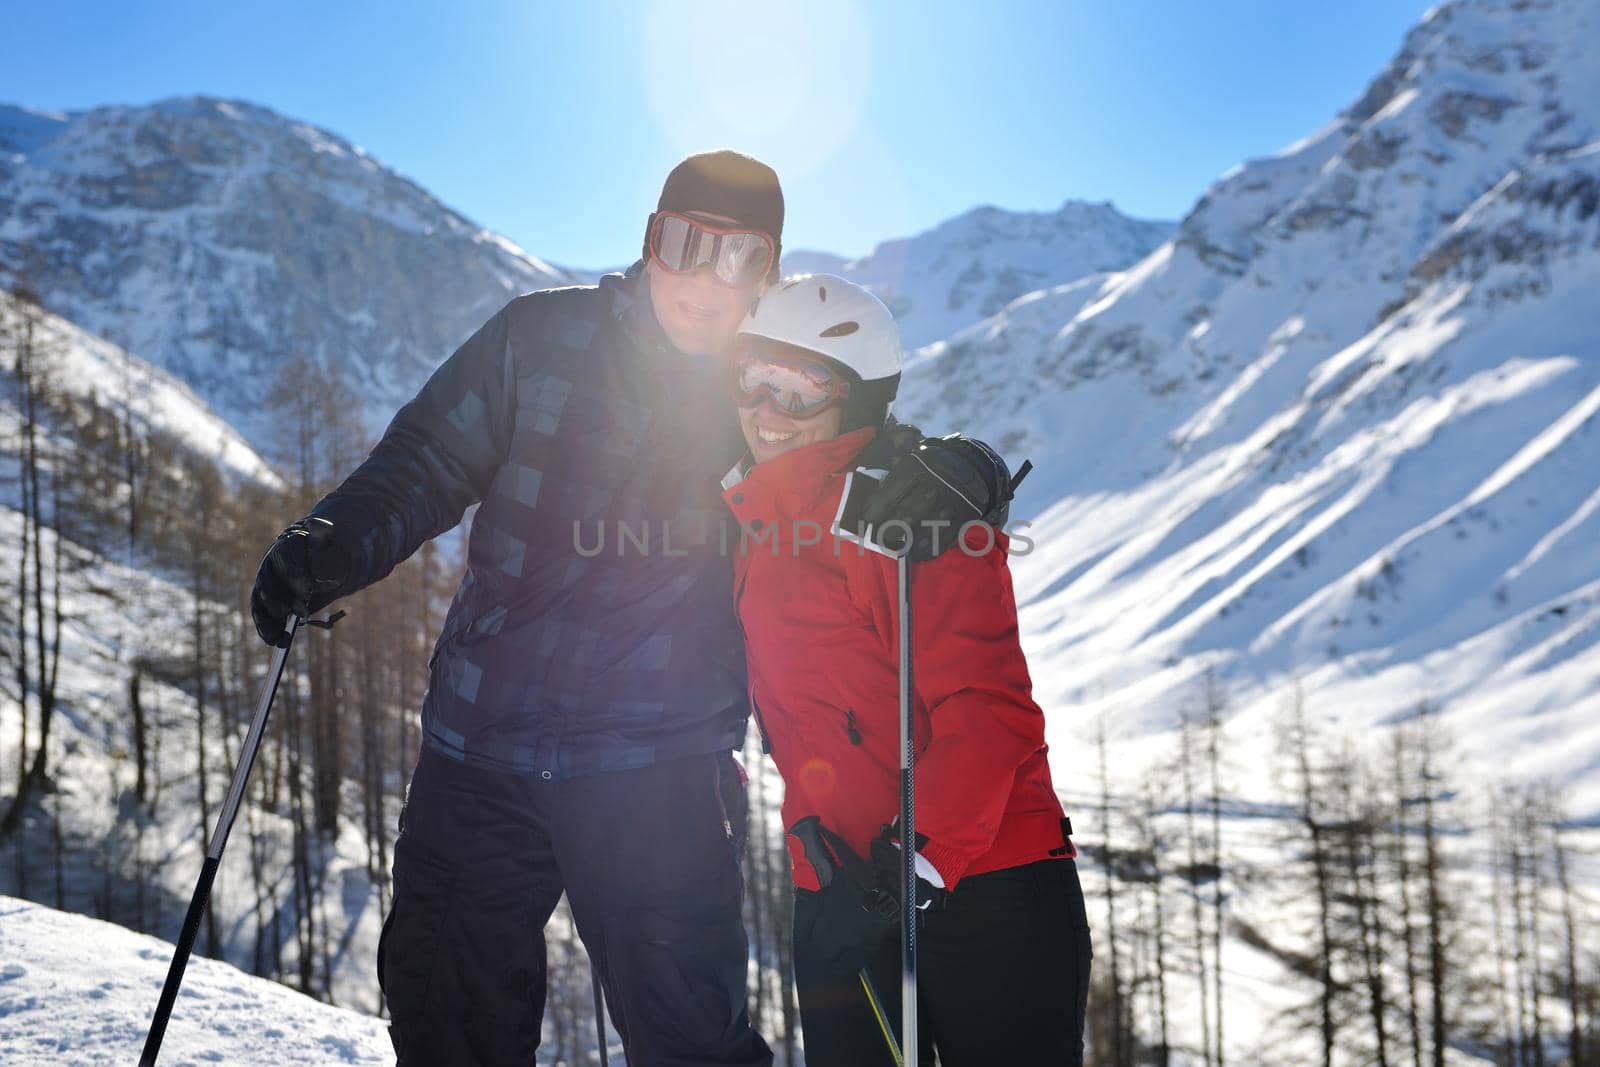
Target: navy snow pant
x,y
1002,978
648,860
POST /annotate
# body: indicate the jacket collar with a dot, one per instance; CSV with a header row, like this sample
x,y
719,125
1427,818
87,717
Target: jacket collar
x,y
805,470
631,306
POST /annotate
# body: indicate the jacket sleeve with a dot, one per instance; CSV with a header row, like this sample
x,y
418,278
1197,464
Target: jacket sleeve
x,y
437,457
970,674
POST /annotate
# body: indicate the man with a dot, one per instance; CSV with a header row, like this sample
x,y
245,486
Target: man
x,y
583,701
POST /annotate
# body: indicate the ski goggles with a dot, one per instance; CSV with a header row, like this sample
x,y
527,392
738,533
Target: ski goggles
x,y
736,255
800,386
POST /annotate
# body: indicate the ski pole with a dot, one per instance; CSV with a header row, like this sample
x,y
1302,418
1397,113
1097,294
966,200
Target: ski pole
x,y
908,827
875,1002
599,1014
219,838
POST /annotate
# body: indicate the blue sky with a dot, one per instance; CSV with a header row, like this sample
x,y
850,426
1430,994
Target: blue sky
x,y
554,123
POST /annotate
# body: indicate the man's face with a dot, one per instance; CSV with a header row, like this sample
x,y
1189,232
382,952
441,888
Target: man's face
x,y
700,314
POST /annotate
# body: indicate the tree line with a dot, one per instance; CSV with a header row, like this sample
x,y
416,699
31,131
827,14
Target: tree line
x,y
101,499
1419,920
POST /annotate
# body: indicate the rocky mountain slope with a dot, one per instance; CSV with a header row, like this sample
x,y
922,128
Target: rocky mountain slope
x,y
219,239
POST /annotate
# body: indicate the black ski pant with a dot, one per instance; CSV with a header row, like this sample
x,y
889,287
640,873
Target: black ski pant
x,y
649,862
1002,978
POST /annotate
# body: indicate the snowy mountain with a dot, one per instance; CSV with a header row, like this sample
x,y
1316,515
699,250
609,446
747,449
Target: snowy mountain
x,y
218,239
77,990
971,266
1338,433
83,365
1342,427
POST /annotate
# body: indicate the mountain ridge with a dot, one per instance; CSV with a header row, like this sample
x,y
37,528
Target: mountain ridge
x,y
964,269
180,231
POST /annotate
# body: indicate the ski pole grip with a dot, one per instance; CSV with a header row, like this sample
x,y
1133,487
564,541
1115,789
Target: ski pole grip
x,y
808,831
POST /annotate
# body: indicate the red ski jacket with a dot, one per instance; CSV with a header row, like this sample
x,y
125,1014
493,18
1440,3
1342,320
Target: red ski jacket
x,y
821,640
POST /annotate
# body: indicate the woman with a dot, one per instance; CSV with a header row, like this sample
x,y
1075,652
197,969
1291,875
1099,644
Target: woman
x,y
1003,941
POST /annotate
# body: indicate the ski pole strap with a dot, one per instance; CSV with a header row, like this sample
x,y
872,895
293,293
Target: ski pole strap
x,y
891,831
325,624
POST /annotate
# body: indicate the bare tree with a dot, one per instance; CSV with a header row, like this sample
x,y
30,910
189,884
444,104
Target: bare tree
x,y
1302,747
1153,846
1569,929
1400,860
1359,857
39,606
1118,1024
1194,875
1433,875
1215,707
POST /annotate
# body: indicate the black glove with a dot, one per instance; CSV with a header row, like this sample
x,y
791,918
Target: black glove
x,y
303,572
935,485
887,878
852,918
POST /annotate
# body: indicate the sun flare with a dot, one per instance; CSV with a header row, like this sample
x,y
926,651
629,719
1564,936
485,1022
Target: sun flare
x,y
786,83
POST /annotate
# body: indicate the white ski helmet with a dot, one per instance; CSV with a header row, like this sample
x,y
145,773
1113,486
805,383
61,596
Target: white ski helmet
x,y
844,323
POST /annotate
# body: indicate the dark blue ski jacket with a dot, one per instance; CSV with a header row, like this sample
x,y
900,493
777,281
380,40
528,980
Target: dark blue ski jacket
x,y
593,630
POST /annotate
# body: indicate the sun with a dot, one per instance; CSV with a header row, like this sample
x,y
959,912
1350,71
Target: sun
x,y
786,83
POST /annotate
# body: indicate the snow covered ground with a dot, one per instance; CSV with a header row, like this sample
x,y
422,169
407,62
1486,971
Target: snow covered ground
x,y
75,990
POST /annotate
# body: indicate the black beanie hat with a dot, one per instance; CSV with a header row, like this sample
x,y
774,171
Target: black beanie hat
x,y
728,183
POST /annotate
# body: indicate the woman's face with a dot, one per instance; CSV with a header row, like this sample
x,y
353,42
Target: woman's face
x,y
770,432
772,428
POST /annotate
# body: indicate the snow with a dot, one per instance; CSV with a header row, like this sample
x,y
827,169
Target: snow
x,y
1341,428
219,240
85,366
947,278
110,624
77,990
24,129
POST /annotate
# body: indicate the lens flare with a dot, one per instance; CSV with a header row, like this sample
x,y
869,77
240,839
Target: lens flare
x,y
786,83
